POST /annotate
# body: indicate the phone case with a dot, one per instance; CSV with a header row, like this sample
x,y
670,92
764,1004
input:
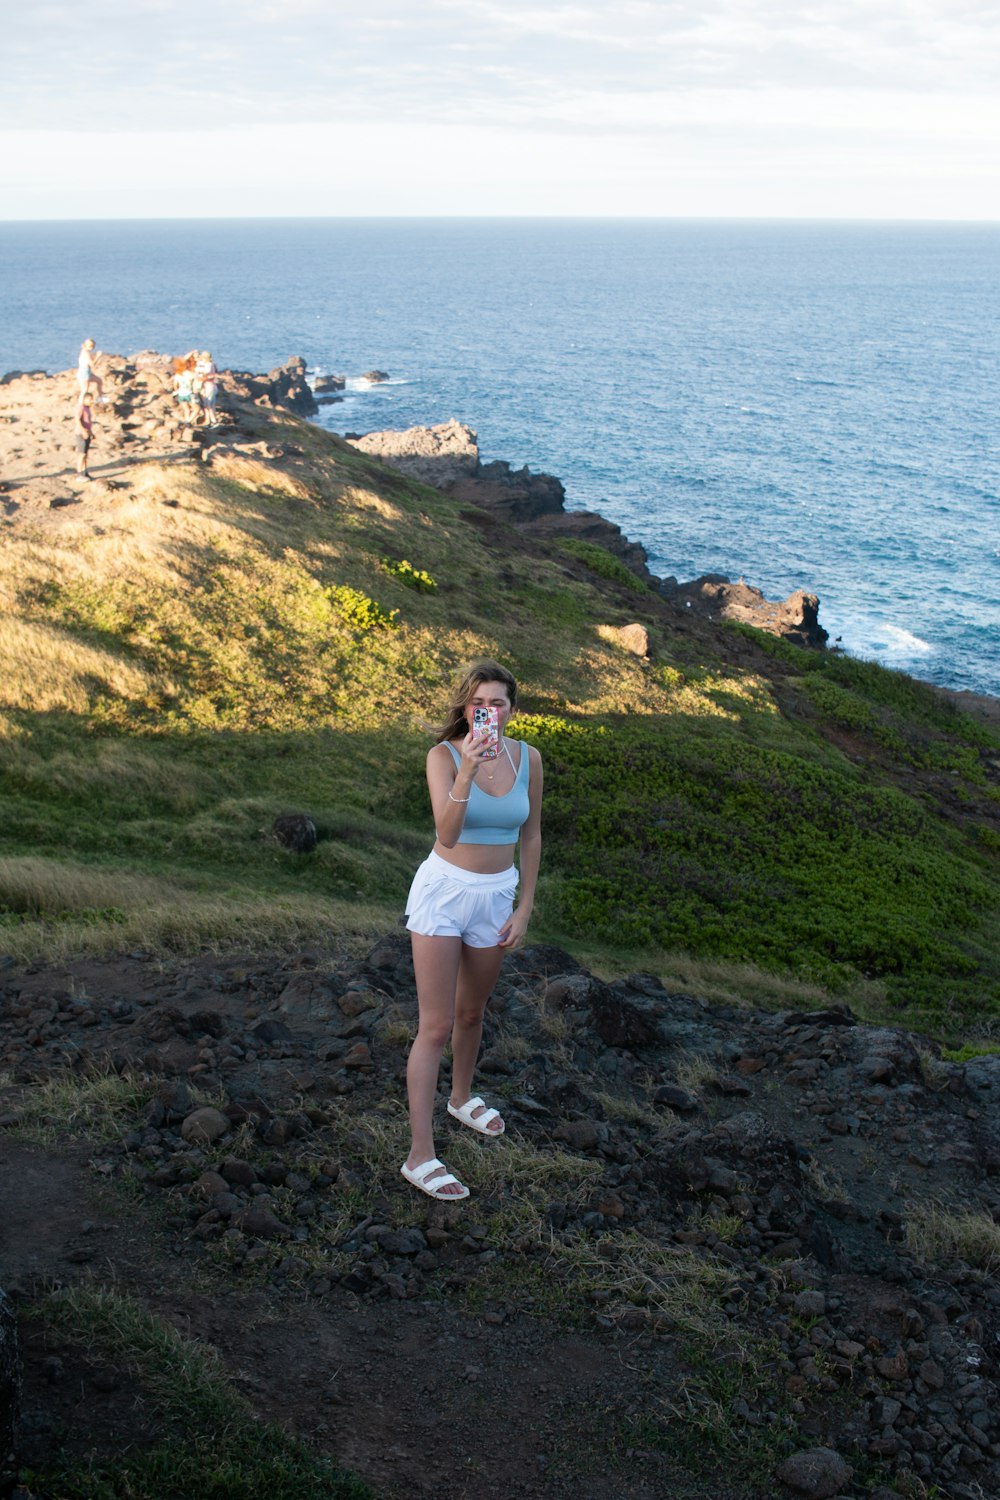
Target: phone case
x,y
488,719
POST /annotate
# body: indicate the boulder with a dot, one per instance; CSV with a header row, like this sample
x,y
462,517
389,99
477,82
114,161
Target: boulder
x,y
622,1020
633,638
204,1126
817,1473
375,377
296,831
323,384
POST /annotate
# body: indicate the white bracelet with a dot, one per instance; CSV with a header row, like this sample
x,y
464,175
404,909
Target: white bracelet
x,y
459,799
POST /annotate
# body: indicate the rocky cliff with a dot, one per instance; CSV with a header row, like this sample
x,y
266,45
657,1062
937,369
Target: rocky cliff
x,y
447,457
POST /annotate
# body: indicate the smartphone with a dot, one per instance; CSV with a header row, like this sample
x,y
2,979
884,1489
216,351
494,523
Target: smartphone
x,y
487,719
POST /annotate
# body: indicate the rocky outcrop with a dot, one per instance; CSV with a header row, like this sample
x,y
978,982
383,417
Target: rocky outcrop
x,y
285,386
447,457
440,456
795,619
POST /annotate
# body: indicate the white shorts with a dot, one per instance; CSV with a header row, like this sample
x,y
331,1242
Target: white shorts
x,y
446,901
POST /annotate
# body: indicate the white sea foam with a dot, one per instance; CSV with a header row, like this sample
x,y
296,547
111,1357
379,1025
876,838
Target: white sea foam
x,y
876,640
905,640
360,383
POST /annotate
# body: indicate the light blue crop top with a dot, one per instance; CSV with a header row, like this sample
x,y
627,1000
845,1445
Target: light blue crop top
x,y
496,820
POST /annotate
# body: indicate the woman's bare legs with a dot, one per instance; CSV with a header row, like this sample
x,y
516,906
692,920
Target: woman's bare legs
x,y
436,963
453,985
477,975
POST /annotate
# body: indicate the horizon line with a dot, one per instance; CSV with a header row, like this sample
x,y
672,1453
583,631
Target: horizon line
x,y
498,219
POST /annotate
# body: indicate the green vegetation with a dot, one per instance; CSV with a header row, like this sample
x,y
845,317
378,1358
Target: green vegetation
x,y
604,564
199,1437
414,578
238,643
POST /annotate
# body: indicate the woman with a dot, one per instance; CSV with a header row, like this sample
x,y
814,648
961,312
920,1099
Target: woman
x,y
206,369
184,395
460,911
86,375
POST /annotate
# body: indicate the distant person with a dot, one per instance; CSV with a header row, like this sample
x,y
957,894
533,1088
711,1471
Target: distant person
x,y
85,372
460,910
184,395
84,432
206,369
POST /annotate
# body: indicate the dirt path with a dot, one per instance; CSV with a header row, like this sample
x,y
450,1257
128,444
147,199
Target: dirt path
x,y
414,1397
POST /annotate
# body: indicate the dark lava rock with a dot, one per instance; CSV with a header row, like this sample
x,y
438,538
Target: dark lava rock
x,y
296,831
818,1473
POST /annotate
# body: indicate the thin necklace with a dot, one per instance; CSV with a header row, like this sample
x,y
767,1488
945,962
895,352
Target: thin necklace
x,y
503,747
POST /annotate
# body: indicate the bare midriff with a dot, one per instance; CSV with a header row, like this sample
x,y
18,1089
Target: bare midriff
x,y
481,859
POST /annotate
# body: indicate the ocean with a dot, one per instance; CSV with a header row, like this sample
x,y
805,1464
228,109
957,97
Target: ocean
x,y
806,405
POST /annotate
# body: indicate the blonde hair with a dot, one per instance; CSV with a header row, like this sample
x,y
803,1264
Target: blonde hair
x,y
478,672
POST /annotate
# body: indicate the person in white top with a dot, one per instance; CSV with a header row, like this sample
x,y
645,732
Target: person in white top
x,y
85,372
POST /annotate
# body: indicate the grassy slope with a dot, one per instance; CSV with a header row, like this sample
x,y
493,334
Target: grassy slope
x,y
225,648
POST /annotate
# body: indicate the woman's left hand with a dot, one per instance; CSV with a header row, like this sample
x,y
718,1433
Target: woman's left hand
x,y
511,934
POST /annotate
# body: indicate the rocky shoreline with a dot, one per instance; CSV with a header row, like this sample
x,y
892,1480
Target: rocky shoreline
x,y
141,424
447,457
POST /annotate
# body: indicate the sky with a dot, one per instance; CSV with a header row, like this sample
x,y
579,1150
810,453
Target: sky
x,y
884,109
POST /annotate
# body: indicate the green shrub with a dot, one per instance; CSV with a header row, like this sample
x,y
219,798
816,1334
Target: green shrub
x,y
605,564
360,612
414,578
708,843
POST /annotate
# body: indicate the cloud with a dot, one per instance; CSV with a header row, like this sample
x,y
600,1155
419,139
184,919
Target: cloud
x,y
109,63
699,84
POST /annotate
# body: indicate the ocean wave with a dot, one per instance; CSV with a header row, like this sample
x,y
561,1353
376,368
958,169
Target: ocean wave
x,y
905,640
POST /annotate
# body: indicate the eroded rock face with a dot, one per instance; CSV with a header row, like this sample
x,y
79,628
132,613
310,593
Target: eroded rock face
x,y
440,456
284,386
795,619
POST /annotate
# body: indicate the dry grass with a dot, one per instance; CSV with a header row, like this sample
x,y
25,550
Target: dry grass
x,y
692,1071
678,1285
257,476
936,1236
749,986
631,1109
396,1027
69,910
101,1103
37,887
50,670
368,500
510,1045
